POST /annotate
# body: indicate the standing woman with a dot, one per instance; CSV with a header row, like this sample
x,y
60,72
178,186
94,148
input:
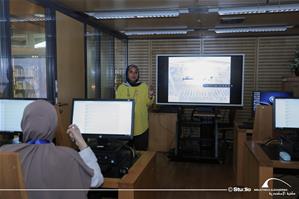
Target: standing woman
x,y
143,97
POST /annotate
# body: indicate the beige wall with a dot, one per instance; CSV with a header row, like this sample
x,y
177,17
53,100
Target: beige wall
x,y
266,59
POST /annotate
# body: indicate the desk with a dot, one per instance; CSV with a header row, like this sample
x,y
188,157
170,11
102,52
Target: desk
x,y
162,131
240,137
259,168
140,176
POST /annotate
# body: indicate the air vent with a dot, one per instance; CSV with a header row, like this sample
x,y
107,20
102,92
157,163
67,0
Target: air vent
x,y
232,20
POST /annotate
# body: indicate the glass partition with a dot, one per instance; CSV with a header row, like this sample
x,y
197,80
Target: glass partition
x,y
107,66
121,60
4,50
28,49
93,62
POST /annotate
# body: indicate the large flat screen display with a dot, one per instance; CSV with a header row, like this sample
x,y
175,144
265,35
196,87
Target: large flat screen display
x,y
215,80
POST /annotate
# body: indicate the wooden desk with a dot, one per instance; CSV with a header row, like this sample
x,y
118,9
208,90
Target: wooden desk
x,y
240,137
258,168
140,176
162,131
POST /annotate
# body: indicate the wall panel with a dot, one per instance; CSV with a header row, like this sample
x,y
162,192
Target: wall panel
x,y
275,54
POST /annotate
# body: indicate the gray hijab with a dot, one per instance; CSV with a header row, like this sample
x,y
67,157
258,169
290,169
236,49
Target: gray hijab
x,y
46,166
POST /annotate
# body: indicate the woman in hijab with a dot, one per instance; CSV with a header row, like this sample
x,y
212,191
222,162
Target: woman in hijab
x,y
143,97
46,166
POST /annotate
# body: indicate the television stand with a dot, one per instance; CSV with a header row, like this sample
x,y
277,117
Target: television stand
x,y
197,138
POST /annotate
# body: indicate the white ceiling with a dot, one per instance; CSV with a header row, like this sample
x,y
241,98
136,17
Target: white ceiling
x,y
199,20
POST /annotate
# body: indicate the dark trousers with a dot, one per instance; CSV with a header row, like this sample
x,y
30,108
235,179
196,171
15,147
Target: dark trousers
x,y
140,142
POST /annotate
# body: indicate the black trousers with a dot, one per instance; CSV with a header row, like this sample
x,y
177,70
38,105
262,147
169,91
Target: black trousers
x,y
140,142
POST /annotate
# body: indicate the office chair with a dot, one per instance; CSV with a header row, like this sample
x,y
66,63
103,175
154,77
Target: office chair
x,y
11,176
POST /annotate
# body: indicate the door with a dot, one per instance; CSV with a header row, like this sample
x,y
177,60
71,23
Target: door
x,y
70,69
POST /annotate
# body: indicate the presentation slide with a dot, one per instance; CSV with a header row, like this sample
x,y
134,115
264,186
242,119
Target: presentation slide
x,y
199,79
103,117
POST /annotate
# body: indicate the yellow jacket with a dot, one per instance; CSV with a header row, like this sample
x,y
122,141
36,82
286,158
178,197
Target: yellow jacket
x,y
140,95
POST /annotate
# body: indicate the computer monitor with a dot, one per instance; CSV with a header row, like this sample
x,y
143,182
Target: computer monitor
x,y
105,119
285,113
11,113
267,97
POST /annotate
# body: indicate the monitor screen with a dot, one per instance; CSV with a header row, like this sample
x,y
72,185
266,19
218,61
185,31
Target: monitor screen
x,y
286,114
104,118
267,97
11,113
214,80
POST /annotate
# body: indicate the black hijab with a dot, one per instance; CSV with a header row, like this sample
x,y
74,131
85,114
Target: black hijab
x,y
130,82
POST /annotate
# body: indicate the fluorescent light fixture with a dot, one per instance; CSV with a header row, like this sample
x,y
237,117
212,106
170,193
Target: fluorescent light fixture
x,y
40,45
252,29
156,32
40,15
28,19
125,14
257,9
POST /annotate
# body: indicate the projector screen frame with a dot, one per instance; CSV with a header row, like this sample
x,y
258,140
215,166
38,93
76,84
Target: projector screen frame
x,y
107,136
226,105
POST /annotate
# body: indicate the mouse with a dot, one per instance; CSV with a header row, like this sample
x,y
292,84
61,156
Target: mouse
x,y
285,156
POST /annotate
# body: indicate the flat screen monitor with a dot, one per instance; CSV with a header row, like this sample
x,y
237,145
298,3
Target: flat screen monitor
x,y
11,113
267,97
286,113
107,119
208,80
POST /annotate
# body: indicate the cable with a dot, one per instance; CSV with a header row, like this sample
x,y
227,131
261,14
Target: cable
x,y
133,151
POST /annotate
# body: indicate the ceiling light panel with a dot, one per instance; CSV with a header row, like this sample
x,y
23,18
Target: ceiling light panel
x,y
156,32
137,14
257,9
252,29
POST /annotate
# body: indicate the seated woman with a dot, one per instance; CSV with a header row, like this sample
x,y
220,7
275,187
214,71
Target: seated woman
x,y
46,166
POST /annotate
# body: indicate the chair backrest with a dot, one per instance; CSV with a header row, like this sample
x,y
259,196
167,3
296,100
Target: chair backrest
x,y
11,176
262,128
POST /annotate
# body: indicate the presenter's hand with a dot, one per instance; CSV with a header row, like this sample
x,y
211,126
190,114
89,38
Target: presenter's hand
x,y
74,133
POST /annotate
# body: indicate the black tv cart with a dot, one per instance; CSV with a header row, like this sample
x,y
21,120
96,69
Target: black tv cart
x,y
197,137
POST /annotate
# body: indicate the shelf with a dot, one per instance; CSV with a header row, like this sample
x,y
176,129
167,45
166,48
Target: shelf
x,y
24,89
24,77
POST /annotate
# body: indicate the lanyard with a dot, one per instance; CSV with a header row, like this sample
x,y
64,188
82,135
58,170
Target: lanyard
x,y
38,141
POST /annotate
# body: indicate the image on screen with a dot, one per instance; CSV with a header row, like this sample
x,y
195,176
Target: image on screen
x,y
267,97
103,117
199,79
286,114
204,80
11,113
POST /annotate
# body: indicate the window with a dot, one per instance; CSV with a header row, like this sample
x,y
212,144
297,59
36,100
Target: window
x,y
93,62
121,60
4,57
107,66
28,49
